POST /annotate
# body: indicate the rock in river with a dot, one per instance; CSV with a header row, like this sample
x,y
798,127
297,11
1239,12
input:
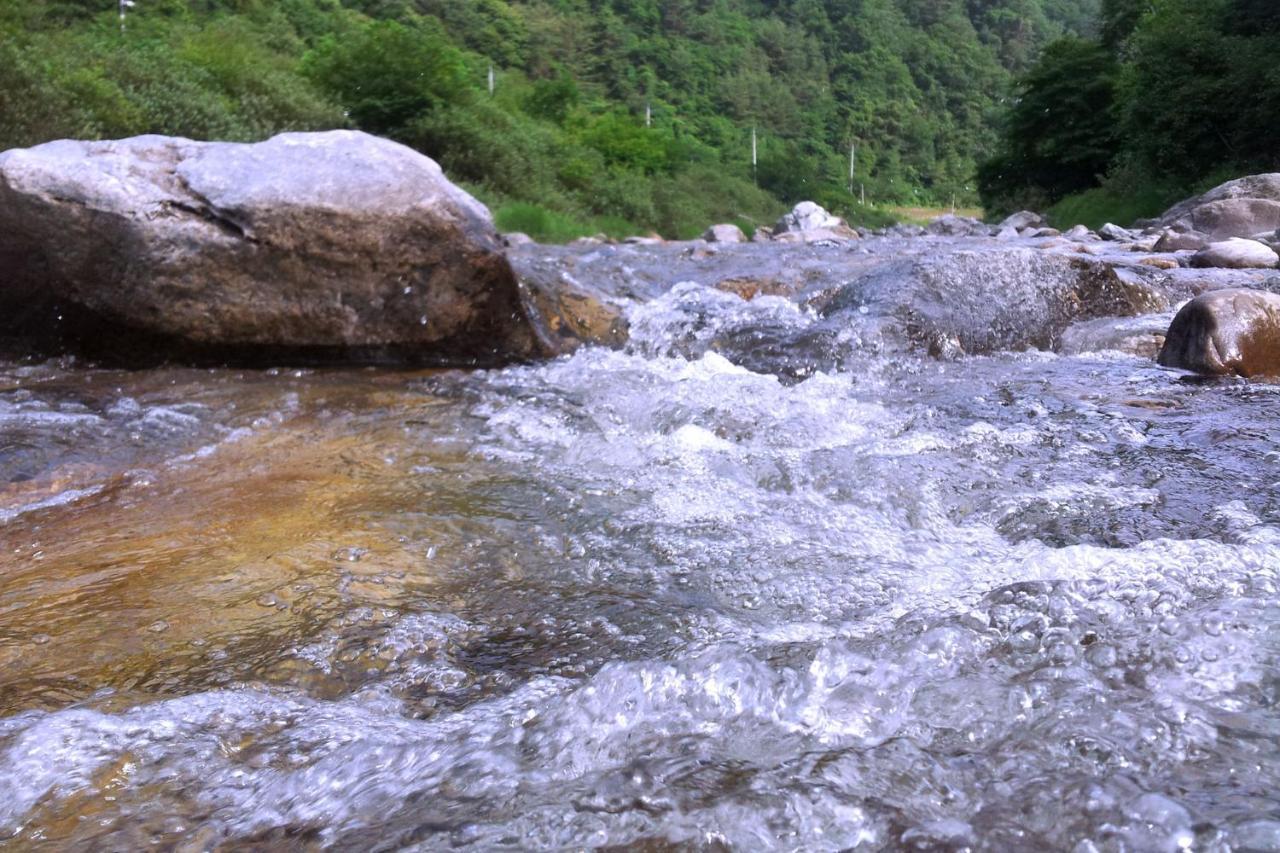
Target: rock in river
x,y
1240,208
808,216
308,246
1236,254
724,233
1225,332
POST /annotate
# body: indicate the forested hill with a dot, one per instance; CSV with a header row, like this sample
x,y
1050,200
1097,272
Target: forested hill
x,y
562,145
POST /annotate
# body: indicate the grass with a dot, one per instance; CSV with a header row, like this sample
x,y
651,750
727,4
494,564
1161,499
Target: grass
x,y
1096,207
550,226
925,215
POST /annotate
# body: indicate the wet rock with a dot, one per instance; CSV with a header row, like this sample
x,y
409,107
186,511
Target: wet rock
x,y
1236,254
762,234
1023,219
325,246
643,240
1045,232
982,301
1111,231
1226,332
951,225
1160,263
1141,336
516,238
1006,234
724,233
1079,232
1240,208
903,229
1172,240
1143,243
567,315
817,235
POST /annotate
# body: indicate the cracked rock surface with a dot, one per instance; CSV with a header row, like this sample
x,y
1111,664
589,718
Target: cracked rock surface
x,y
335,245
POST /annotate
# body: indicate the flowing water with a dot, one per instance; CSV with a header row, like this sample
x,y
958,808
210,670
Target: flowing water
x,y
678,596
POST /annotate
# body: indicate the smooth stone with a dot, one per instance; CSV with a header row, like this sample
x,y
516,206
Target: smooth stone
x,y
1172,240
1226,332
1238,254
1239,208
1022,219
1111,231
1079,232
724,233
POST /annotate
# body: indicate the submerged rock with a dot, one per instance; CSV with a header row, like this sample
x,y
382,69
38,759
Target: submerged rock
x,y
1141,336
1236,254
1226,332
306,247
1240,208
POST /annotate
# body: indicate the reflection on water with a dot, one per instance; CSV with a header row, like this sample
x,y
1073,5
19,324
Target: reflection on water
x,y
659,598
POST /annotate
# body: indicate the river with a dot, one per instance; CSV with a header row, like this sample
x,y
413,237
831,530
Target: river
x,y
675,596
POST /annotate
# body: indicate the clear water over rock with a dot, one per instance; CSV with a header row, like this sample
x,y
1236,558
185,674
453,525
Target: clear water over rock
x,y
699,592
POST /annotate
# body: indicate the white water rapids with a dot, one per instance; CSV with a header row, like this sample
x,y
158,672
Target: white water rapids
x,y
653,599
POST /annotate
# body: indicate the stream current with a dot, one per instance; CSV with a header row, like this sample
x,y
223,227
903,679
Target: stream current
x,y
671,597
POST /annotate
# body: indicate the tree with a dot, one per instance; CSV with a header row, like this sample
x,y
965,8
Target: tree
x,y
386,74
1061,133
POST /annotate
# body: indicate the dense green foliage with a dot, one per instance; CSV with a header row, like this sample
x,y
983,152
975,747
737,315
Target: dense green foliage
x,y
1174,95
563,144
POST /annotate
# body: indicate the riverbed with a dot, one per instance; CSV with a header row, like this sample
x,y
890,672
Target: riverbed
x,y
693,593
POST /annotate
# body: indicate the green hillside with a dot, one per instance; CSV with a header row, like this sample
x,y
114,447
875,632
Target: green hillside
x,y
562,147
1171,97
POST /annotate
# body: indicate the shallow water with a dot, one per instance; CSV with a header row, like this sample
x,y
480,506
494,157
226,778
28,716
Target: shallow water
x,y
703,593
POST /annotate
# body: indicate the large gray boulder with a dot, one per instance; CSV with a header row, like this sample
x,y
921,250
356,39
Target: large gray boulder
x,y
1226,332
335,245
1236,254
1239,208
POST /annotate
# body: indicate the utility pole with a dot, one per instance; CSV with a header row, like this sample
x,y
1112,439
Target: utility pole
x,y
648,114
491,80
753,156
853,163
123,4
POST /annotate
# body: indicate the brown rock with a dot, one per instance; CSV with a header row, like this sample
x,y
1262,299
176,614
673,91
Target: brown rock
x,y
1226,332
